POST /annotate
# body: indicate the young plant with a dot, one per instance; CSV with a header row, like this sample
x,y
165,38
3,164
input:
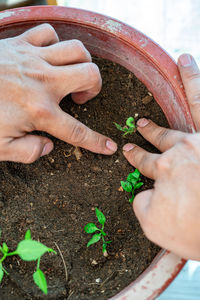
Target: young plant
x,y
28,250
132,183
129,128
91,228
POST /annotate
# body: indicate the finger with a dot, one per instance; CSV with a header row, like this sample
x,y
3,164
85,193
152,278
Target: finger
x,y
70,130
141,204
144,161
64,53
162,138
27,149
42,35
190,75
83,80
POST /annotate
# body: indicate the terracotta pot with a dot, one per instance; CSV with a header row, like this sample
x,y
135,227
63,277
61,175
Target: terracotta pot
x,y
113,40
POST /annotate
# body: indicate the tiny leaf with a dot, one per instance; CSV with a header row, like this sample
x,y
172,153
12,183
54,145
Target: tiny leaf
x,y
127,186
100,216
130,122
90,228
5,248
118,126
28,235
96,237
1,273
40,280
136,173
30,250
138,185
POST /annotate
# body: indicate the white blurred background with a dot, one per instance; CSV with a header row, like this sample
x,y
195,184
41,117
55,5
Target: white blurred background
x,y
173,24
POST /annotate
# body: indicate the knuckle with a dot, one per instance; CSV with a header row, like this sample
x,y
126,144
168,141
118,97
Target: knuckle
x,y
79,47
191,75
162,163
160,137
93,73
40,111
78,134
195,100
48,28
188,141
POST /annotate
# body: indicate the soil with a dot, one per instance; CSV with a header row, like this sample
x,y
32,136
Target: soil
x,y
56,197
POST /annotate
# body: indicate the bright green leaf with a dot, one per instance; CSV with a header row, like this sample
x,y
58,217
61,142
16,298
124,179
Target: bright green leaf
x,y
1,273
40,281
90,228
127,186
5,248
30,250
118,126
136,173
102,232
130,122
100,216
96,237
28,235
138,185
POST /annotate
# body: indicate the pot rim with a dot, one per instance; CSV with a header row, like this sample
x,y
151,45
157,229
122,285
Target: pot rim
x,y
165,261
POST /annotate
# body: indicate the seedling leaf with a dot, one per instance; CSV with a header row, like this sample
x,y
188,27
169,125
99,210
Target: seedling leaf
x,y
118,126
90,228
28,235
96,237
100,216
40,280
1,273
138,185
130,122
29,250
126,186
5,248
136,174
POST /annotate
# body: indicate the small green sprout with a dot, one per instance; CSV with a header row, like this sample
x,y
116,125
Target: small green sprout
x,y
132,183
91,228
129,128
28,250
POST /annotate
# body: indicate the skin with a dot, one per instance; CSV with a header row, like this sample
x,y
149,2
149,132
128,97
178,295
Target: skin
x,y
169,213
36,72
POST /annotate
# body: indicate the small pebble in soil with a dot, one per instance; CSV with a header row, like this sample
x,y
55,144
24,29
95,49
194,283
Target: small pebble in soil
x,y
98,280
94,262
147,99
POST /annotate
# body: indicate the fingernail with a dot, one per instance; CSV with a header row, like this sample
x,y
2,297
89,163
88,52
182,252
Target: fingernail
x,y
142,122
47,149
111,145
185,60
128,147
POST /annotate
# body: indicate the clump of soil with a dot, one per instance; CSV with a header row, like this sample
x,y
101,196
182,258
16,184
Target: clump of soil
x,y
56,197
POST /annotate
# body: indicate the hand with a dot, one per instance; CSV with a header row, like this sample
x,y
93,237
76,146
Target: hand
x,y
169,214
36,72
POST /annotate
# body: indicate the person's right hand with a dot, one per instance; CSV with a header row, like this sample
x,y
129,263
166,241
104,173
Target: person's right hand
x,y
169,213
36,72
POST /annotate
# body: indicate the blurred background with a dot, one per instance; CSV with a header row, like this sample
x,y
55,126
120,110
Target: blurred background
x,y
175,26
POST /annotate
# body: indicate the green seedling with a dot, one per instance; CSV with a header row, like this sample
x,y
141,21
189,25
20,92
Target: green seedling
x,y
132,183
129,128
91,228
27,250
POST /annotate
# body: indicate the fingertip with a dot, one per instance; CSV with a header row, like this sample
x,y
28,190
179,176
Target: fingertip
x,y
185,60
111,146
128,147
48,147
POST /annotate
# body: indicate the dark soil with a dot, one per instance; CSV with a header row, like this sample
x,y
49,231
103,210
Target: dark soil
x,y
56,197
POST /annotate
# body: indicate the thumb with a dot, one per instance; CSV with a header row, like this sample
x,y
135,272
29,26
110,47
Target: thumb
x,y
140,206
190,75
27,149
